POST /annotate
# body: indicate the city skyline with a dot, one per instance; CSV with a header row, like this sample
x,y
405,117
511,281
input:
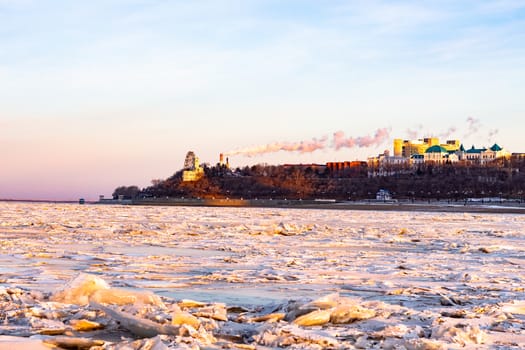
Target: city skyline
x,y
108,93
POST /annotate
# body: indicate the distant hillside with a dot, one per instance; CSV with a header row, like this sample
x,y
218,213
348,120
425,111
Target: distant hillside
x,y
449,181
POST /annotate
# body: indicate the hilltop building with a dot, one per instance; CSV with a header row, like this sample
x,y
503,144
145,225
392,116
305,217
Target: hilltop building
x,y
484,155
517,156
412,153
493,153
223,163
438,155
192,168
407,148
431,150
384,164
344,168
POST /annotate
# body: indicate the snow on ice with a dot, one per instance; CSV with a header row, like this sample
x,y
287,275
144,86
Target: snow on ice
x,y
129,277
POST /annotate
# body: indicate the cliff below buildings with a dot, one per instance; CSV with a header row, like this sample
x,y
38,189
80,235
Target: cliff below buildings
x,y
453,182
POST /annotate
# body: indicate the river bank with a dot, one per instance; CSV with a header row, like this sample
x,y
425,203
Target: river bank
x,y
467,206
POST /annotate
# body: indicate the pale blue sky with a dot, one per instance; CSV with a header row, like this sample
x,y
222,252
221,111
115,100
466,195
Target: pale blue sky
x,y
96,94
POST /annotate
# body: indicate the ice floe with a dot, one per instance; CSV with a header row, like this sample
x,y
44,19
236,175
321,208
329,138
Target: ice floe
x,y
117,277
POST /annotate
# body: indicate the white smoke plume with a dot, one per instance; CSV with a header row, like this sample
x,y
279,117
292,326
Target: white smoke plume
x,y
473,126
418,133
492,133
448,132
413,134
301,147
309,146
341,141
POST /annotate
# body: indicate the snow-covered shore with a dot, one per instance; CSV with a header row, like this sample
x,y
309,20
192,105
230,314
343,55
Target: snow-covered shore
x,y
278,277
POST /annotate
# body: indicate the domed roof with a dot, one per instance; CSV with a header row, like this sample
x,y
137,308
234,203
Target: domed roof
x,y
436,149
495,148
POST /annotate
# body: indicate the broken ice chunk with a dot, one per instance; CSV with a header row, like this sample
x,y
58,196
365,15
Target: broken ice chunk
x,y
125,297
78,290
85,325
85,288
348,313
138,326
180,317
315,318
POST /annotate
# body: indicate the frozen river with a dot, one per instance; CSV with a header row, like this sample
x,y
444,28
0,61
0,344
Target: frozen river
x,y
418,271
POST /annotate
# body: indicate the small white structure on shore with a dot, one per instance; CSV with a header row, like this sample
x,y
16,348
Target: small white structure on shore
x,y
383,195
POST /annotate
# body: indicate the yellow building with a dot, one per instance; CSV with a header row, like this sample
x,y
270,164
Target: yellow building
x,y
408,148
398,147
451,145
193,170
192,175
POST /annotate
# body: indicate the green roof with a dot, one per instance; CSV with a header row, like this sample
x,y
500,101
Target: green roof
x,y
476,150
495,148
461,148
436,149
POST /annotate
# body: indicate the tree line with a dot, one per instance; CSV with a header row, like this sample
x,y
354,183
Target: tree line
x,y
455,181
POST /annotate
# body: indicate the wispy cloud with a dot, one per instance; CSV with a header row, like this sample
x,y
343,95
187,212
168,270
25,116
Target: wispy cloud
x,y
499,6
